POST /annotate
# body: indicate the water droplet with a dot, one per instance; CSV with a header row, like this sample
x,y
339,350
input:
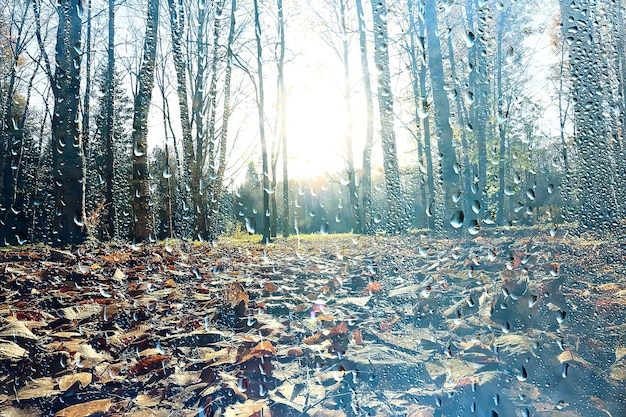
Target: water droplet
x,y
242,385
470,39
474,227
457,220
476,206
522,375
249,226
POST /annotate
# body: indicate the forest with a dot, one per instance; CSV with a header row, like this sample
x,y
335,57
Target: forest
x,y
331,208
143,128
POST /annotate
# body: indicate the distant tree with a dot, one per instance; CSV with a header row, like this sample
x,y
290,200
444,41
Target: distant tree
x,y
248,201
109,171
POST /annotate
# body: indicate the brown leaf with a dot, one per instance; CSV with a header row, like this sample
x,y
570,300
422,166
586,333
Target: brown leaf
x,y
86,409
264,348
65,382
313,339
295,352
148,364
338,329
374,286
235,293
271,287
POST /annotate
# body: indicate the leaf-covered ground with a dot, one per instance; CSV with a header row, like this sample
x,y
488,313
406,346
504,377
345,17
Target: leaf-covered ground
x,y
498,325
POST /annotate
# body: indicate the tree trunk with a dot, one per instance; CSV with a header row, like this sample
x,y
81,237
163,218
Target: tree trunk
x,y
501,123
282,103
353,192
396,220
598,202
87,104
261,110
422,107
214,186
472,200
193,172
219,182
143,227
479,87
68,158
366,175
448,163
108,133
11,137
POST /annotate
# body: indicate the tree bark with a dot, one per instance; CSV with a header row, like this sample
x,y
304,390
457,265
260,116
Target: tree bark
x,y
421,106
448,162
193,172
143,227
68,157
108,131
11,137
598,202
396,220
366,174
479,87
261,112
282,103
353,193
219,181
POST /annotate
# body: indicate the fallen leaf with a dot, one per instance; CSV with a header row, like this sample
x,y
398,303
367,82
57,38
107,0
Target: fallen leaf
x,y
373,286
264,348
149,364
249,409
293,352
338,329
81,312
569,356
119,275
66,382
17,329
86,409
11,350
37,388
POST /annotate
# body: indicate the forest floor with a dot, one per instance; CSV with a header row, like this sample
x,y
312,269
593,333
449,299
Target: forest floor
x,y
519,322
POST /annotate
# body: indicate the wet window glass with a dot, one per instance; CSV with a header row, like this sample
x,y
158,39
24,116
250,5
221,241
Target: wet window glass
x,y
312,208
